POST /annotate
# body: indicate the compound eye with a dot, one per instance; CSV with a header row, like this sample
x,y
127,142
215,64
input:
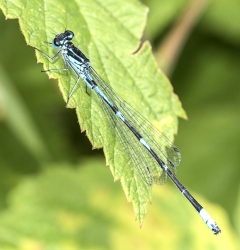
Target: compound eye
x,y
56,44
69,34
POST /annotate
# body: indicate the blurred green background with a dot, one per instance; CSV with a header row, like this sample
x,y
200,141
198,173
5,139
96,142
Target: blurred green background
x,y
50,179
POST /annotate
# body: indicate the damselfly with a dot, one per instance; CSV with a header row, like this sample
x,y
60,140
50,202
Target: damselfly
x,y
153,156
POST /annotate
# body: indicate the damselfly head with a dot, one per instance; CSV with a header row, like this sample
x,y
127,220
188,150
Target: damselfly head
x,y
60,39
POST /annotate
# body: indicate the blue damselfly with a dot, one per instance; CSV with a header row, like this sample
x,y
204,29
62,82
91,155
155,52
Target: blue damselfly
x,y
153,156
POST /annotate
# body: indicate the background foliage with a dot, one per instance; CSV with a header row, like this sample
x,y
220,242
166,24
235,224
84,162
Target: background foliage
x,y
55,192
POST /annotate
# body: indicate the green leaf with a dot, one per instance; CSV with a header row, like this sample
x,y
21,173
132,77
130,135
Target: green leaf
x,y
107,32
237,215
65,208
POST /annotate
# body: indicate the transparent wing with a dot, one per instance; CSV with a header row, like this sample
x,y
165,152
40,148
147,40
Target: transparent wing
x,y
162,146
140,160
